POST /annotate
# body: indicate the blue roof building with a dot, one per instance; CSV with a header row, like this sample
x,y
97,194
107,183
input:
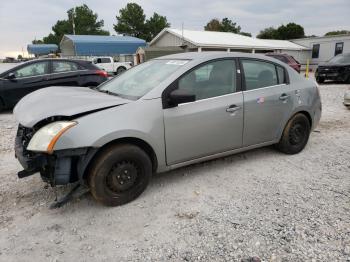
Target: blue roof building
x,y
99,45
41,49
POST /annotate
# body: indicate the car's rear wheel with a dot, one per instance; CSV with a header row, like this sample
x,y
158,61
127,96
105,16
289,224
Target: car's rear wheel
x,y
119,174
295,135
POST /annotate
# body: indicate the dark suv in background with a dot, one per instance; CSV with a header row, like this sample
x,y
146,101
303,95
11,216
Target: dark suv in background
x,y
336,69
30,76
289,60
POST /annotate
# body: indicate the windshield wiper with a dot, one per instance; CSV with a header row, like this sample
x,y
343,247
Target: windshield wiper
x,y
107,92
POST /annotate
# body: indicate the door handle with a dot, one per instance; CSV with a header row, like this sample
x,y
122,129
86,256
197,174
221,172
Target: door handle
x,y
232,108
284,97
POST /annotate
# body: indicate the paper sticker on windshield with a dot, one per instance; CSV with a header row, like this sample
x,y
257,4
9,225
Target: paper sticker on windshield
x,y
176,62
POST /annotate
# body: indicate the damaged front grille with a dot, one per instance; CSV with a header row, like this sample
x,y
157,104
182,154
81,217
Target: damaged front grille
x,y
23,137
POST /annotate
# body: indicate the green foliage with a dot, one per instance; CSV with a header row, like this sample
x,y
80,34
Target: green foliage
x,y
283,32
268,33
225,25
86,23
155,24
338,32
132,21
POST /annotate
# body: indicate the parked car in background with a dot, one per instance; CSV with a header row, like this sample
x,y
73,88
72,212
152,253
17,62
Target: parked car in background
x,y
288,59
336,69
166,113
110,66
27,77
347,99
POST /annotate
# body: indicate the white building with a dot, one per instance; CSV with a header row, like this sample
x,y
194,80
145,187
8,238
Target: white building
x,y
324,48
199,41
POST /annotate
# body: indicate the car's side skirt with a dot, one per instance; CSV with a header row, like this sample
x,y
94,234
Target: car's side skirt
x,y
218,155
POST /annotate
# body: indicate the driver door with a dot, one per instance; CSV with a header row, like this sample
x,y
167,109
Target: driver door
x,y
26,80
211,124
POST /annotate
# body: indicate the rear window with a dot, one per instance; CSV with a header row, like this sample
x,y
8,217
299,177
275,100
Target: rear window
x,y
281,58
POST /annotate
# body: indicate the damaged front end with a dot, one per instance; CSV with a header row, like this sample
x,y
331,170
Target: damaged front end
x,y
59,168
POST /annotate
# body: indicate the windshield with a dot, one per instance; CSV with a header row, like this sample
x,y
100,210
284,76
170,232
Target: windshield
x,y
138,81
340,59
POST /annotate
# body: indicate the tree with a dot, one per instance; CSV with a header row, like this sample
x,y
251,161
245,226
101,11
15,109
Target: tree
x,y
155,24
283,32
19,57
290,31
213,25
34,42
338,32
131,21
86,23
245,34
225,25
268,33
228,26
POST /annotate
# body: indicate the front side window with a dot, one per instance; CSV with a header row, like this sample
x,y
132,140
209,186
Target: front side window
x,y
63,66
338,48
212,79
139,80
258,74
35,69
315,51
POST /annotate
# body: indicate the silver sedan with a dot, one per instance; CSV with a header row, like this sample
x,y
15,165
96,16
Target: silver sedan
x,y
163,114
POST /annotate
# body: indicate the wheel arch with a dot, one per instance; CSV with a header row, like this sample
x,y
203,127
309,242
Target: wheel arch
x,y
304,112
124,140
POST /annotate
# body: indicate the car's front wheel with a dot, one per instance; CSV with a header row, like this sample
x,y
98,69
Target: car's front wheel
x,y
119,174
319,79
295,135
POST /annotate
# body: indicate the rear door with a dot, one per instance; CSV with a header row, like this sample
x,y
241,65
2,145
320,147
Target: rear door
x,y
28,78
214,122
267,100
65,73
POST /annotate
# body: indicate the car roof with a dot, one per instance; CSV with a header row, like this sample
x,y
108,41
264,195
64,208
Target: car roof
x,y
209,55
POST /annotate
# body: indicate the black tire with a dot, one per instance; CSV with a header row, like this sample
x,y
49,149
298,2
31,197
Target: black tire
x,y
119,174
120,70
2,107
295,135
319,79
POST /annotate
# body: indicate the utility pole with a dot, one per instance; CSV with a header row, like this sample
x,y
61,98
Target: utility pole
x,y
73,21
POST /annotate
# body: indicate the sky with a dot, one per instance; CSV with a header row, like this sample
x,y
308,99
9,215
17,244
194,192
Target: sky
x,y
21,21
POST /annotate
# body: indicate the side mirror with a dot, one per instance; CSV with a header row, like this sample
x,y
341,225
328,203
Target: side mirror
x,y
11,76
180,96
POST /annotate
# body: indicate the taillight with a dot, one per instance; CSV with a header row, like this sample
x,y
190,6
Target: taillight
x,y
101,73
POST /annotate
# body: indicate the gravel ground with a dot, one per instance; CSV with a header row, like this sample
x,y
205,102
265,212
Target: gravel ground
x,y
258,205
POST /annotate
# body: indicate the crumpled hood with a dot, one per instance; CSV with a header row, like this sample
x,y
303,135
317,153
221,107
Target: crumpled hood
x,y
62,101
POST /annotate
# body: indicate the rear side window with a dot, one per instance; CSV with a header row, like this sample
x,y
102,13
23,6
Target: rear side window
x,y
63,66
281,58
258,74
102,60
281,75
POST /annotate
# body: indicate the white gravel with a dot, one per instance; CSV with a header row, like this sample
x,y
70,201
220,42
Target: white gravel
x,y
258,205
